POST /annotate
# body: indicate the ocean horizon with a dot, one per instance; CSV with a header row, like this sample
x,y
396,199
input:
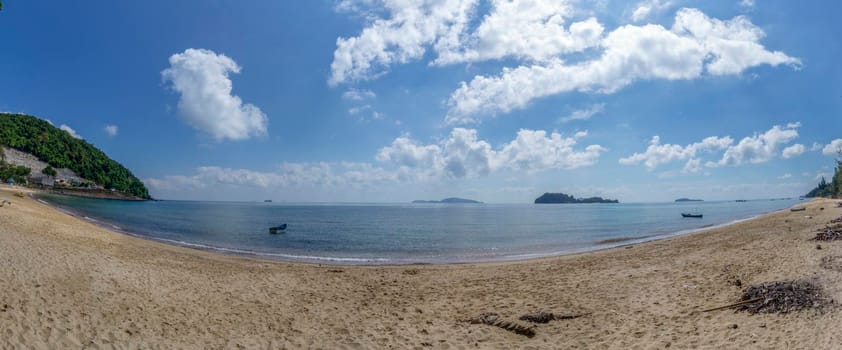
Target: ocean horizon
x,y
406,233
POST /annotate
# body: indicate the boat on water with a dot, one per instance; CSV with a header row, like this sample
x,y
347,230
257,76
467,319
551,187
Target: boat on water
x,y
267,201
691,215
278,229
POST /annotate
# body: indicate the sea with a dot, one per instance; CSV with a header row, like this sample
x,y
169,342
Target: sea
x,y
405,233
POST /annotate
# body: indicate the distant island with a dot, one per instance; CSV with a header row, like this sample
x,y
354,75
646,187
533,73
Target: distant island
x,y
550,198
450,200
689,200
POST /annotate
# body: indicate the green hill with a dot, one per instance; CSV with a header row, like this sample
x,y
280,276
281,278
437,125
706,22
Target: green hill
x,y
56,147
832,188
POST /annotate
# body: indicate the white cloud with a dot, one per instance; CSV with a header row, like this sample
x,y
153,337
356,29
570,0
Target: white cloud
x,y
358,109
747,3
816,146
358,95
695,45
644,8
69,130
526,29
463,155
832,148
793,151
657,153
400,37
319,174
785,176
111,130
758,148
693,165
584,114
201,77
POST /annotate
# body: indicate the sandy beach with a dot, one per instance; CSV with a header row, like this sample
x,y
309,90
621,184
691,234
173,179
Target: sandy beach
x,y
68,284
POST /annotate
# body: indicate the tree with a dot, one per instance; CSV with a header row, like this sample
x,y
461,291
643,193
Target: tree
x,y
60,150
49,171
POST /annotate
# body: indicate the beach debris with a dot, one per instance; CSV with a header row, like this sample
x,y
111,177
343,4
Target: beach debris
x,y
19,194
782,297
829,234
335,270
493,319
832,262
798,209
411,272
546,317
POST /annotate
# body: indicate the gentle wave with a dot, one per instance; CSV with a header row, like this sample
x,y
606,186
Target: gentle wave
x,y
398,234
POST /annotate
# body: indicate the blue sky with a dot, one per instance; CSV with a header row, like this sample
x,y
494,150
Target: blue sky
x,y
500,101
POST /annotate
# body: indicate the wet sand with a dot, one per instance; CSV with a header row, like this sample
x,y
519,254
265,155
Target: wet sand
x,y
70,284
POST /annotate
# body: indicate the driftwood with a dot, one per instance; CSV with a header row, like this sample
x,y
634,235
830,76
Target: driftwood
x,y
493,319
546,317
733,305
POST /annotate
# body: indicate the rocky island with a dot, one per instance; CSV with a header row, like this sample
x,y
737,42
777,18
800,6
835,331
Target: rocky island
x,y
689,200
551,198
450,201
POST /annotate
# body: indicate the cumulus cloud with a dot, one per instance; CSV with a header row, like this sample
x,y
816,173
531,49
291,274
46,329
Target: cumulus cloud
x,y
584,114
317,174
644,8
793,151
399,36
696,45
657,153
525,29
785,176
69,130
201,78
463,155
543,37
832,148
111,130
759,148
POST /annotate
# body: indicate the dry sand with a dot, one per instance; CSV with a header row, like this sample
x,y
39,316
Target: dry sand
x,y
67,284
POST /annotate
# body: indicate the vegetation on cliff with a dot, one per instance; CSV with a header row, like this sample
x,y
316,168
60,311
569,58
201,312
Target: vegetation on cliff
x,y
61,150
832,188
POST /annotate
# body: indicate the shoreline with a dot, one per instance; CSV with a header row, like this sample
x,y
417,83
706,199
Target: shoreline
x,y
613,243
71,284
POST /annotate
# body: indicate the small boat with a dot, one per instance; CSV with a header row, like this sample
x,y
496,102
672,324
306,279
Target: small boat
x,y
691,215
741,201
267,201
278,229
798,209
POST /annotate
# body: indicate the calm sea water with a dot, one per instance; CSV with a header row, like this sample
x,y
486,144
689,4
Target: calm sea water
x,y
406,233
